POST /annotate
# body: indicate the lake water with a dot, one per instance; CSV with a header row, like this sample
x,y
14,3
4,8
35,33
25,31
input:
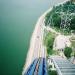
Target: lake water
x,y
17,21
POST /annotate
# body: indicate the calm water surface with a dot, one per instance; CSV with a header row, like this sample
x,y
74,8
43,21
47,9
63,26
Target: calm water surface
x,y
17,21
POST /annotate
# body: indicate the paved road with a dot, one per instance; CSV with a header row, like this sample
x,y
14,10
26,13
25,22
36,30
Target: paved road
x,y
39,48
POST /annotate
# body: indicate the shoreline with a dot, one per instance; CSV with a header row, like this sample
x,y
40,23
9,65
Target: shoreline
x,y
32,40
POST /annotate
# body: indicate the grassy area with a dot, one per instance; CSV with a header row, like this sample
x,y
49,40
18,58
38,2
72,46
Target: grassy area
x,y
72,39
73,44
48,42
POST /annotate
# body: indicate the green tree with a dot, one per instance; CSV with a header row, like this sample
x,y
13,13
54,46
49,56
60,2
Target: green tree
x,y
68,52
56,20
72,26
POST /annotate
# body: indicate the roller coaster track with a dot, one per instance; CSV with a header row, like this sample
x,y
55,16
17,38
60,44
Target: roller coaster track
x,y
38,67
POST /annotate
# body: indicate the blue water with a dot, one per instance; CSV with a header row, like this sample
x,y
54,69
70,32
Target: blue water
x,y
17,21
